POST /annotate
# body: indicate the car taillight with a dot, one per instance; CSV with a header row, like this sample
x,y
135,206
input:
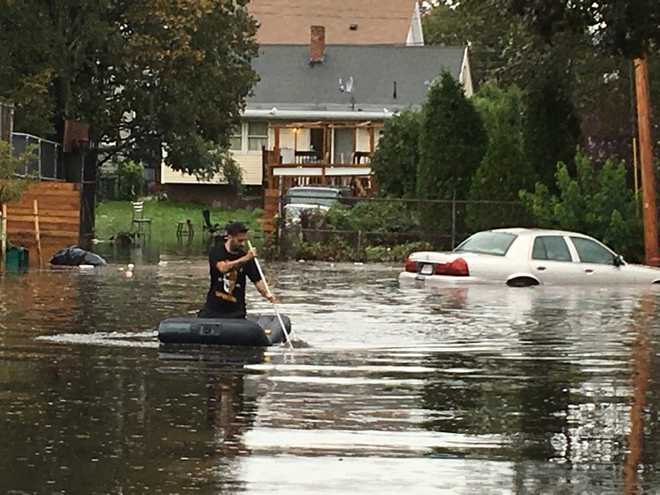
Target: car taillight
x,y
410,266
457,268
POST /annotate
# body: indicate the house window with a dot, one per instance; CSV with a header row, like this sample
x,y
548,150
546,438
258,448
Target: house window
x,y
257,135
236,139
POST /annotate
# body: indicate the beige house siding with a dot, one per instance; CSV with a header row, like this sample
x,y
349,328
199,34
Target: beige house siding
x,y
250,162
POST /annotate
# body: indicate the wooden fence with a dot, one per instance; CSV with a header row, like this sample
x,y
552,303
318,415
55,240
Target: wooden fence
x,y
59,218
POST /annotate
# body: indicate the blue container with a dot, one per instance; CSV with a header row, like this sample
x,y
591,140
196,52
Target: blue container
x,y
17,260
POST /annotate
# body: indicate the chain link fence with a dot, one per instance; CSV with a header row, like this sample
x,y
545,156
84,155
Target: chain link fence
x,y
46,164
387,229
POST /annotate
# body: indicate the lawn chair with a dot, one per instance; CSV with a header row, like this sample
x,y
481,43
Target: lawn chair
x,y
207,226
139,221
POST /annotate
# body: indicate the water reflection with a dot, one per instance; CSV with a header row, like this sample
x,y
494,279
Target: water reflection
x,y
464,390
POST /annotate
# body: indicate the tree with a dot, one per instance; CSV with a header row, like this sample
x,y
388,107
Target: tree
x,y
452,142
504,171
396,158
618,26
595,201
497,42
551,128
147,76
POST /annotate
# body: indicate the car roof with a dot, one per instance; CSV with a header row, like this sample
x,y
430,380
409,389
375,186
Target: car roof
x,y
520,231
314,188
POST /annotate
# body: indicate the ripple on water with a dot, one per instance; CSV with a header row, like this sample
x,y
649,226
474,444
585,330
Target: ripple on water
x,y
461,390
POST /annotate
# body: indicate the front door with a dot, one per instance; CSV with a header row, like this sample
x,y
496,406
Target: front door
x,y
343,146
317,141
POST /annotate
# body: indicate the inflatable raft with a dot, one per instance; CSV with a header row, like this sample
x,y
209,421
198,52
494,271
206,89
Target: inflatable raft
x,y
255,331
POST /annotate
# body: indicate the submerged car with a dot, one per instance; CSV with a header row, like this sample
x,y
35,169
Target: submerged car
x,y
525,257
312,198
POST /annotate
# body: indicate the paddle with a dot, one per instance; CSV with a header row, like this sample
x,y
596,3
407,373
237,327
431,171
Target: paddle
x,y
277,313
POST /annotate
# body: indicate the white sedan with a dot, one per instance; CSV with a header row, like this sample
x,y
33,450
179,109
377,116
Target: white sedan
x,y
525,257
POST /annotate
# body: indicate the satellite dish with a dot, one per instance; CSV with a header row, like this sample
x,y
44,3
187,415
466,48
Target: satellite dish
x,y
349,85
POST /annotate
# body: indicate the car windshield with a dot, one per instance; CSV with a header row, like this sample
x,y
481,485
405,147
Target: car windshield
x,y
322,197
496,243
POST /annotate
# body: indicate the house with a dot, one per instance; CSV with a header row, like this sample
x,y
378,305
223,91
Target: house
x,y
351,22
318,111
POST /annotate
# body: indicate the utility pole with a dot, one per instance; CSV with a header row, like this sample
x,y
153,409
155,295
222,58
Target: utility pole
x,y
646,160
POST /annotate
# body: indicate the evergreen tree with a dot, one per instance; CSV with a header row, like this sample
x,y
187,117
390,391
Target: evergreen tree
x,y
452,142
395,161
504,171
552,128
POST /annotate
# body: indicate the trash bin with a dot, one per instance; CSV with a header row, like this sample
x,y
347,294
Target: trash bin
x,y
18,259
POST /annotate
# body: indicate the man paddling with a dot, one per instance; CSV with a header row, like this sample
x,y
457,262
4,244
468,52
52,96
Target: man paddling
x,y
230,266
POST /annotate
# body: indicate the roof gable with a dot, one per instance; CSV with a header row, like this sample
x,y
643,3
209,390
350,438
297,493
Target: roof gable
x,y
374,21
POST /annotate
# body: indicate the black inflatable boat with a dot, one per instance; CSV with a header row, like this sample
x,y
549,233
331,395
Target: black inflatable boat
x,y
255,331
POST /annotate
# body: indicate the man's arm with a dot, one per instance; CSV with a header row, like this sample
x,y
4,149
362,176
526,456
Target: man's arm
x,y
226,266
261,287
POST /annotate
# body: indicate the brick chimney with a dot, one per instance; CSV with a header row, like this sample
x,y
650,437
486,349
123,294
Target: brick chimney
x,y
317,45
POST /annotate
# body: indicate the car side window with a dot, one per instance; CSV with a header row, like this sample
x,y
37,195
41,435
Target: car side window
x,y
551,248
591,252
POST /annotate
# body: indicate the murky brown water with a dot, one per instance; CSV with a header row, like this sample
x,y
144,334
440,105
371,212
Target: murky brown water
x,y
461,391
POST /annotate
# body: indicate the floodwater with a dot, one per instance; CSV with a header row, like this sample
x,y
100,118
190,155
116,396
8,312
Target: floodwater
x,y
457,391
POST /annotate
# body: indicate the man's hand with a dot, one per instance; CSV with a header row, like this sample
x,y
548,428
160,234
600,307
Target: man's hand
x,y
250,255
271,298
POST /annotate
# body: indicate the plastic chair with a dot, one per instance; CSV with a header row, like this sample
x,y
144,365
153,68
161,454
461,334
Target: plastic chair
x,y
139,221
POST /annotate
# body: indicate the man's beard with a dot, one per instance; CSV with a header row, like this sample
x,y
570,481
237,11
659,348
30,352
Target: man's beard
x,y
235,247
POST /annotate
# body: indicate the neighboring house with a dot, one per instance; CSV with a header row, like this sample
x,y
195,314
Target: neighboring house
x,y
318,111
364,22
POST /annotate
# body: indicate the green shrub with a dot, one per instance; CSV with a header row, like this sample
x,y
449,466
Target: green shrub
x,y
373,216
396,253
596,202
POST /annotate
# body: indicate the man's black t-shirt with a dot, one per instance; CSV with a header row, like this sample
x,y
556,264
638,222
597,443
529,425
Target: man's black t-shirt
x,y
227,293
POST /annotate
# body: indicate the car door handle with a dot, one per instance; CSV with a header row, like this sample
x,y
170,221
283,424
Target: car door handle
x,y
540,268
588,270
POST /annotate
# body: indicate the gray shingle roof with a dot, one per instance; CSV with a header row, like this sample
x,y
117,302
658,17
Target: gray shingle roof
x,y
289,82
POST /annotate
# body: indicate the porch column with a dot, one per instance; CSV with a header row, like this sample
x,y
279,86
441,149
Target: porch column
x,y
355,131
326,152
276,152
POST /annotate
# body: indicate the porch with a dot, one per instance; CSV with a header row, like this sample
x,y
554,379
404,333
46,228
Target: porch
x,y
325,153
317,153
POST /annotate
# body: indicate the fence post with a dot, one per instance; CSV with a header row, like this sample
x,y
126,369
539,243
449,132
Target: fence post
x,y
453,221
39,151
359,245
281,221
3,236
